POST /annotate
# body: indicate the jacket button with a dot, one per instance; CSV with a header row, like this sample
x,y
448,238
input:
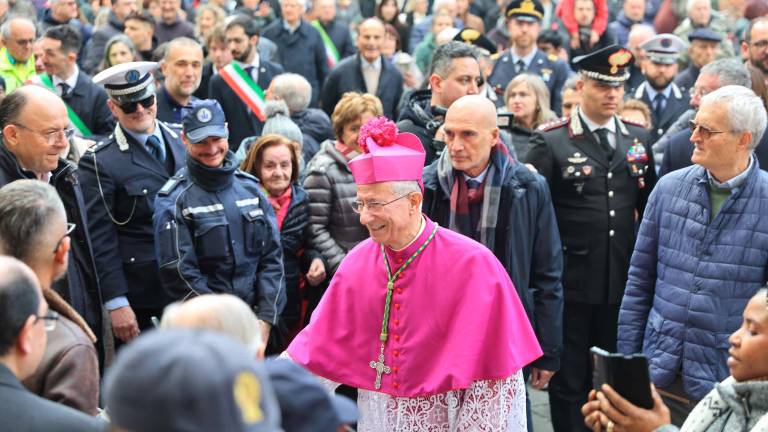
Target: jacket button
x,y
397,322
396,353
133,259
395,369
396,385
610,175
399,290
397,306
612,213
144,191
610,194
397,337
611,233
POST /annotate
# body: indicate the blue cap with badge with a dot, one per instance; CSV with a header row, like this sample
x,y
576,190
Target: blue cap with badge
x,y
128,82
704,34
206,119
664,48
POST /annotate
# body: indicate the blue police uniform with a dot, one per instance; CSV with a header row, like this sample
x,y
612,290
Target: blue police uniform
x,y
551,69
215,230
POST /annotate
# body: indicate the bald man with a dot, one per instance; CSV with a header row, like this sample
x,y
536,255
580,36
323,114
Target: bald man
x,y
497,195
366,72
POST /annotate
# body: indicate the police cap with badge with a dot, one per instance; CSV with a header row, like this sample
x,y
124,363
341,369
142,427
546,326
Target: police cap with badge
x,y
663,49
206,119
525,10
129,84
608,65
477,39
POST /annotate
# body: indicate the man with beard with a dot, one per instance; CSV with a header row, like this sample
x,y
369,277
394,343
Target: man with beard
x,y
755,45
367,72
524,22
182,67
215,230
664,97
120,177
240,86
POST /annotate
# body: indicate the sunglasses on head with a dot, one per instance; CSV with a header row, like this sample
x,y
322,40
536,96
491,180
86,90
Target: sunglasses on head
x,y
131,107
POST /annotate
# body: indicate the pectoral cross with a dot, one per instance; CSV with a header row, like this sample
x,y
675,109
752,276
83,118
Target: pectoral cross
x,y
380,367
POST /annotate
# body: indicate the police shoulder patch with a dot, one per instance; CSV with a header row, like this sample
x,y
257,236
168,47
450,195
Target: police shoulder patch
x,y
495,56
554,124
552,58
99,145
169,186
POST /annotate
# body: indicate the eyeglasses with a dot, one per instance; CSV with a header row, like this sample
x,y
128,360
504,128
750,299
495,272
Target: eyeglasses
x,y
131,107
70,227
704,131
762,44
373,206
50,136
693,91
24,42
49,319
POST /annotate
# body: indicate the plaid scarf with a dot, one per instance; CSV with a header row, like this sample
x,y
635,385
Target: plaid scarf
x,y
453,185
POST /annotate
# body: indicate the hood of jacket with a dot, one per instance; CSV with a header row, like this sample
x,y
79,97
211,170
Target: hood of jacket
x,y
417,108
314,122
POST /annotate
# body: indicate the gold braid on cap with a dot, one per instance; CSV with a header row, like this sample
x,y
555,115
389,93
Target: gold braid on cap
x,y
526,7
601,77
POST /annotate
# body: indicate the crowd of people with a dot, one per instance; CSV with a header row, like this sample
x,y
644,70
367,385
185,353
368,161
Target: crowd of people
x,y
381,215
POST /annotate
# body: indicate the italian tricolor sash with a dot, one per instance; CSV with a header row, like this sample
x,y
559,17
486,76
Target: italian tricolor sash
x,y
245,88
73,117
330,49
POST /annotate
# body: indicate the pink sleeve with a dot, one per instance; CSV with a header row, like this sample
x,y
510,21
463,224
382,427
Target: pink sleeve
x,y
601,17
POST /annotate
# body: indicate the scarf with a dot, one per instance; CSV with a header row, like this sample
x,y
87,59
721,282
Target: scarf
x,y
345,151
280,203
713,407
489,195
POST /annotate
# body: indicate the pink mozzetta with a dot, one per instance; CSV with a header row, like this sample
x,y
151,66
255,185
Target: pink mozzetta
x,y
388,155
455,318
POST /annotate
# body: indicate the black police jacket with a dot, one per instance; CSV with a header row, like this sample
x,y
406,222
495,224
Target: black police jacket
x,y
597,202
120,179
216,232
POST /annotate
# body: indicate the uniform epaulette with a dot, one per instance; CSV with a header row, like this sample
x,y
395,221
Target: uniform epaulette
x,y
553,124
170,185
552,58
632,122
99,145
174,125
495,56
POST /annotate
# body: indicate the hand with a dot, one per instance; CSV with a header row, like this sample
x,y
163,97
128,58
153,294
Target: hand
x,y
532,168
593,418
593,38
575,43
316,273
265,328
124,323
540,378
628,417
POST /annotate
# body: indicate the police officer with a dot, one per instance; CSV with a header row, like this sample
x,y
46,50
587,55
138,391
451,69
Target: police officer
x,y
215,231
524,24
600,172
666,100
120,177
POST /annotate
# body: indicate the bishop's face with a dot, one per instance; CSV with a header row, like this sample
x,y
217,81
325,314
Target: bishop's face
x,y
388,216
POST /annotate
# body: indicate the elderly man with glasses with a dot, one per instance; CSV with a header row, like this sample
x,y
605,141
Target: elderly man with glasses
x,y
34,229
35,131
701,253
17,64
120,177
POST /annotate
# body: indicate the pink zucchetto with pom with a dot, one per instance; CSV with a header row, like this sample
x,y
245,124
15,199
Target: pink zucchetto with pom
x,y
388,155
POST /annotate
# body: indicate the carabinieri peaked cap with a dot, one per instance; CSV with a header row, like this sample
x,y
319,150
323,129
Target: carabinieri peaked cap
x,y
525,10
608,65
664,48
476,38
387,155
128,82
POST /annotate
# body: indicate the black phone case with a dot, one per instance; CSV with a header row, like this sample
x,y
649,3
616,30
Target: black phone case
x,y
628,375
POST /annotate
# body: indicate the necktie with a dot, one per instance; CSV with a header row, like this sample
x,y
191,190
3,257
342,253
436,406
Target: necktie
x,y
520,66
658,105
155,148
602,135
472,187
249,70
65,88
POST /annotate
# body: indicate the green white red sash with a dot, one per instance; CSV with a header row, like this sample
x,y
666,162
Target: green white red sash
x,y
77,122
245,88
330,49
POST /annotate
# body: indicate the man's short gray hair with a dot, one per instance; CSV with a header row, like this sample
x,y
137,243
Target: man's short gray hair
x,y
691,3
303,3
405,187
442,59
5,29
641,28
27,208
730,71
293,89
746,112
223,313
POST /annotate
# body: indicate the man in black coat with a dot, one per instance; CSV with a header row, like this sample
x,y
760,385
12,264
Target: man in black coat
x,y
87,100
25,317
367,72
664,97
525,238
703,49
600,172
299,46
242,122
120,177
336,30
182,66
29,118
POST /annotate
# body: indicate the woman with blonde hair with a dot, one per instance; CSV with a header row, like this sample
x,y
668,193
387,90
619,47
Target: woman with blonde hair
x,y
274,160
527,98
209,16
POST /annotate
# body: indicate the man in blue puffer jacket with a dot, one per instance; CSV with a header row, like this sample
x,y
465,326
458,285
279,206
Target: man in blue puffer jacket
x,y
701,253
